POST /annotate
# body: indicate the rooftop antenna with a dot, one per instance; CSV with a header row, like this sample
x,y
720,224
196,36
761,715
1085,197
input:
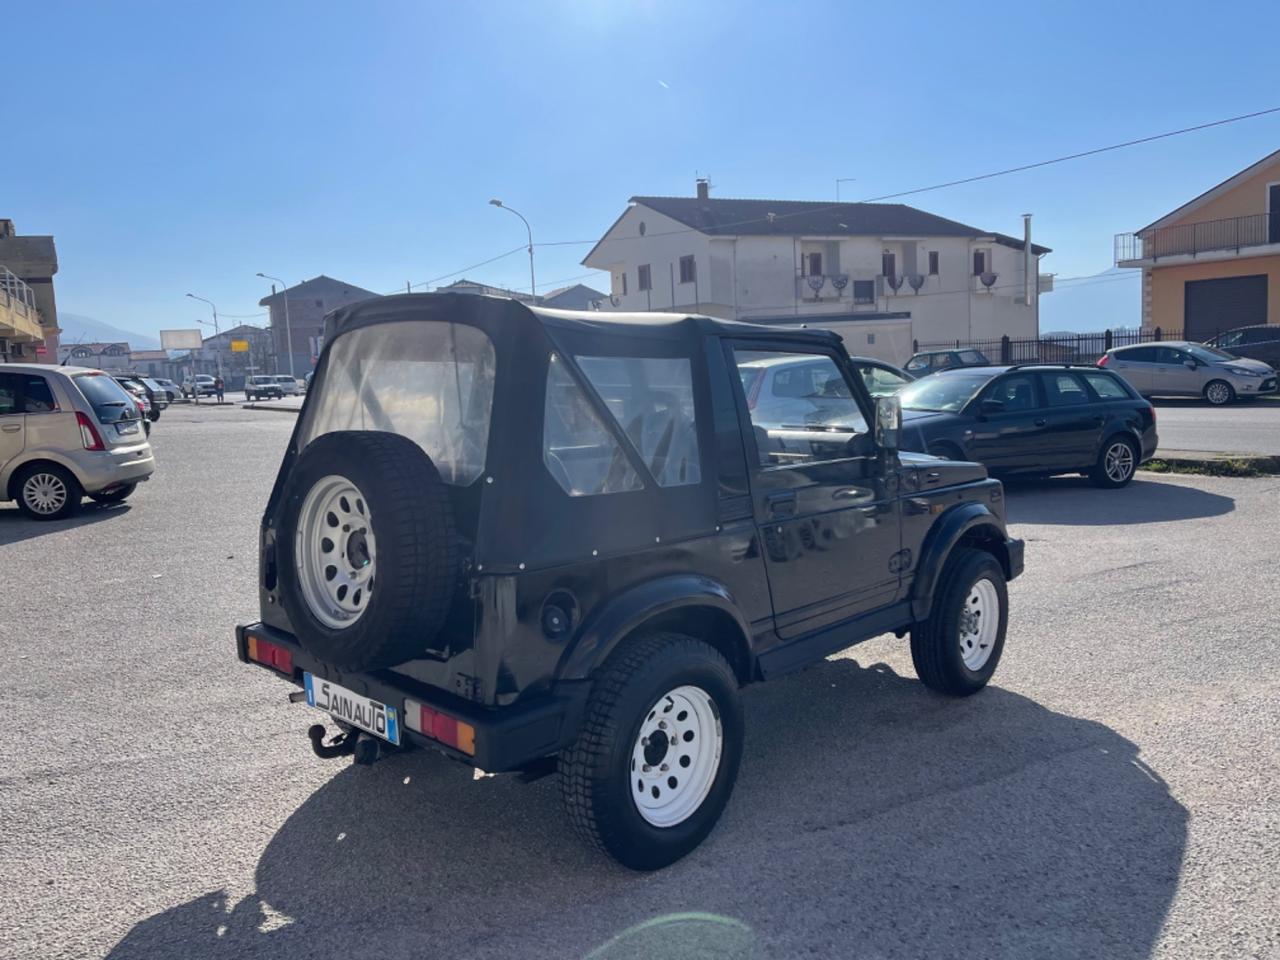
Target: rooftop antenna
x,y
840,181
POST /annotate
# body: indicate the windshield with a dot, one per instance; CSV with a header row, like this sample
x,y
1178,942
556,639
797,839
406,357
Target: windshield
x,y
430,382
943,393
108,399
1208,354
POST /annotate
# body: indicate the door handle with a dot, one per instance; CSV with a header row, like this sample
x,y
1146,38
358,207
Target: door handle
x,y
933,476
11,427
781,503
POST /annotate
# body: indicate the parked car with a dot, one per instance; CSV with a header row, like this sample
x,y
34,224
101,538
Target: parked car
x,y
881,379
289,386
173,391
202,385
1179,368
1033,420
932,361
157,398
256,388
67,433
139,395
1259,342
595,539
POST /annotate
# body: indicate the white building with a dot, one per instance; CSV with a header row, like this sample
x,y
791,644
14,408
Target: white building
x,y
881,274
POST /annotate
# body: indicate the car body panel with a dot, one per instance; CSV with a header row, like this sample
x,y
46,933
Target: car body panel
x,y
1179,369
1258,342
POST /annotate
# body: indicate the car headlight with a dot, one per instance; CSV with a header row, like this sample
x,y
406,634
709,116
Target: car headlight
x,y
1242,372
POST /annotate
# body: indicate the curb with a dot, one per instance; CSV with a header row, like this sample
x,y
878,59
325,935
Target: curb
x,y
1215,464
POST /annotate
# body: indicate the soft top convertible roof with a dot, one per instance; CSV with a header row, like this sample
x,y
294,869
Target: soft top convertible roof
x,y
496,312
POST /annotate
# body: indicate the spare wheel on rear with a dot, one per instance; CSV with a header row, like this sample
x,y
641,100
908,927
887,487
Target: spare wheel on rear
x,y
367,549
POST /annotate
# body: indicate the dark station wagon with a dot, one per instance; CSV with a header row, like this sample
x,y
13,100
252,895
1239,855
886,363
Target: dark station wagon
x,y
550,542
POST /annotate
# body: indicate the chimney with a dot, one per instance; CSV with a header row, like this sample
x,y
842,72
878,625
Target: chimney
x,y
704,188
1030,268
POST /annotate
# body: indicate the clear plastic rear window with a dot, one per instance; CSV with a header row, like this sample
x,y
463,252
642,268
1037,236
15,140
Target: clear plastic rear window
x,y
429,382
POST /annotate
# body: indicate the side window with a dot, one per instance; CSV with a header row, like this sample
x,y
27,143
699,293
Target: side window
x,y
1107,388
1233,339
8,394
879,381
651,398
1137,355
1063,389
1015,393
973,357
578,450
37,396
808,413
1170,355
917,363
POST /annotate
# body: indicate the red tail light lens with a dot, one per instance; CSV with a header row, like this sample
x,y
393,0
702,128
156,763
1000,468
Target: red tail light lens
x,y
1104,359
89,435
1153,412
270,654
440,727
754,393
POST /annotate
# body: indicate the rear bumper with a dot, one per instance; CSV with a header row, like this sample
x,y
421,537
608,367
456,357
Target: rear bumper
x,y
507,738
97,470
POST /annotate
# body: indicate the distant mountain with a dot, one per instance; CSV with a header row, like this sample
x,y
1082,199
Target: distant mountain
x,y
79,328
1105,301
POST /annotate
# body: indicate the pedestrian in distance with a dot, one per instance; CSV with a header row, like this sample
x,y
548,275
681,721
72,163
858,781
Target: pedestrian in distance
x,y
218,387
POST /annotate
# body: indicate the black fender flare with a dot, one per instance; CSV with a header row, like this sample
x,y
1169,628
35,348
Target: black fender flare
x,y
651,600
949,529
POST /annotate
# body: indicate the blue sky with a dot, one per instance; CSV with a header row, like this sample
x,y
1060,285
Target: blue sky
x,y
177,147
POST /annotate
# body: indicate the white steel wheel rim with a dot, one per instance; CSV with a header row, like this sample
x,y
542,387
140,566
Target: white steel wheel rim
x,y
45,493
676,756
335,553
1218,393
979,624
1119,461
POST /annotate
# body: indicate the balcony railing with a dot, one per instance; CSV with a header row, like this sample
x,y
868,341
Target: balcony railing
x,y
1190,239
19,317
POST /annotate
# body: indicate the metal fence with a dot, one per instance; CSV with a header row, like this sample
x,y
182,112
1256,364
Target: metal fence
x,y
1070,348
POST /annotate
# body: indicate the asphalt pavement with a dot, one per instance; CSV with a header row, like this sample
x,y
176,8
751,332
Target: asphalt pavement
x,y
1110,795
1248,428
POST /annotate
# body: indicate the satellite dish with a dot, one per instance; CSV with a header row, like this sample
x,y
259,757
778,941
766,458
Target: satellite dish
x,y
987,279
916,280
894,281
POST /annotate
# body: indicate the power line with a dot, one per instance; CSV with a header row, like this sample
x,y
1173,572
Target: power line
x,y
474,266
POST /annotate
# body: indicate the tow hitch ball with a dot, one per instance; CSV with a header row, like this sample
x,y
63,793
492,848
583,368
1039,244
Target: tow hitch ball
x,y
362,747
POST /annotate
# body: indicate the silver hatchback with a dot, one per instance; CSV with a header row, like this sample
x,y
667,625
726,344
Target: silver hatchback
x,y
1179,368
67,433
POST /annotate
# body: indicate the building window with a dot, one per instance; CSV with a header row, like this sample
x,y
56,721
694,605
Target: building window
x,y
624,283
979,262
888,264
688,269
933,263
812,264
646,280
864,291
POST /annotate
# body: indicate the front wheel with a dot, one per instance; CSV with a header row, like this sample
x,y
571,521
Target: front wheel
x,y
658,752
1116,464
1219,392
957,649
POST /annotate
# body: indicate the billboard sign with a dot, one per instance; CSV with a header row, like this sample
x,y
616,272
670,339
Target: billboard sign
x,y
181,340
239,346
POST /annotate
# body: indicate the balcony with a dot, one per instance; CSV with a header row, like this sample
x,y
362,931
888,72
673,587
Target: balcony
x,y
19,318
1218,238
819,287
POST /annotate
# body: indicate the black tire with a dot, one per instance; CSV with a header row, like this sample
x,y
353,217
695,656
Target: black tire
x,y
1216,395
417,549
115,496
936,643
154,413
71,486
596,780
946,450
1113,474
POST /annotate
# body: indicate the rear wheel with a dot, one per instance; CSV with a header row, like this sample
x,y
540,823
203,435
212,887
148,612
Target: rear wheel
x,y
114,496
957,649
1117,463
1219,392
658,752
47,492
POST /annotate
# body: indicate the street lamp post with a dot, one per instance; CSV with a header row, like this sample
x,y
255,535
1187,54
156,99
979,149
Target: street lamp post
x,y
288,331
217,356
533,287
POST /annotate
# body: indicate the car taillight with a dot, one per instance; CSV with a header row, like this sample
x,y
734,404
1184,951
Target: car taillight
x,y
1152,408
754,393
89,433
269,654
1104,359
141,408
438,726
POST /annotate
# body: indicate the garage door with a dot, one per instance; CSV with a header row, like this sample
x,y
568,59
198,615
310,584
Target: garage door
x,y
1211,306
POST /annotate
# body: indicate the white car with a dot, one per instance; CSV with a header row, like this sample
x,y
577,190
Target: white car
x,y
171,389
202,384
288,385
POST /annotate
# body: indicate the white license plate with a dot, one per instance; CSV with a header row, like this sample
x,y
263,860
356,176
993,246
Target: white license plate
x,y
362,712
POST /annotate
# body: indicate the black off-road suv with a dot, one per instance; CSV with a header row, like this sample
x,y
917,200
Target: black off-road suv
x,y
543,541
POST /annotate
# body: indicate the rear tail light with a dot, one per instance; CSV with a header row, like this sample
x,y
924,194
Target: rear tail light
x,y
270,654
1104,359
141,408
1152,408
440,727
89,433
754,393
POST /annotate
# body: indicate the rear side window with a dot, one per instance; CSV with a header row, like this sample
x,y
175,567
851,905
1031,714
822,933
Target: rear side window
x,y
972,357
1106,387
109,400
1063,389
917,363
429,382
8,394
1137,355
651,398
577,448
37,396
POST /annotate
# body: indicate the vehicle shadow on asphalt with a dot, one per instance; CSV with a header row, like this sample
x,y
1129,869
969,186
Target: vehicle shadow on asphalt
x,y
15,526
1075,501
872,818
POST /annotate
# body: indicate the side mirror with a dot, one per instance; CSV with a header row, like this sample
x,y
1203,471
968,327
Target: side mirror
x,y
888,423
992,406
1190,364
